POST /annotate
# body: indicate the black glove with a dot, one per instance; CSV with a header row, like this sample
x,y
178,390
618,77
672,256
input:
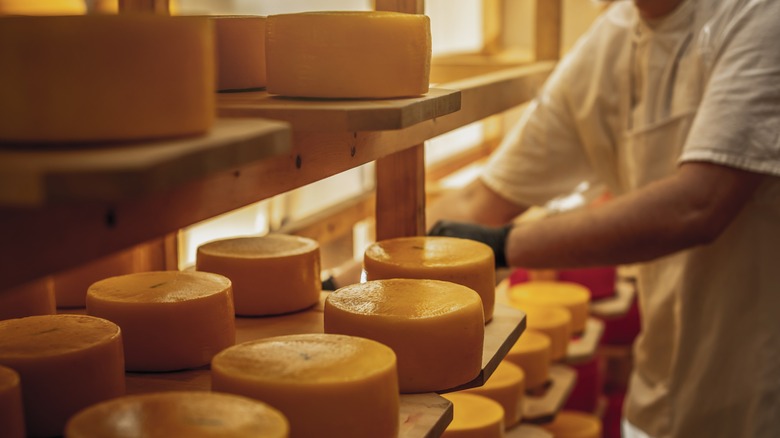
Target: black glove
x,y
494,237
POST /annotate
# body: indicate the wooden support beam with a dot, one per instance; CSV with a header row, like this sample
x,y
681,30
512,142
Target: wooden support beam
x,y
154,6
549,19
407,6
400,194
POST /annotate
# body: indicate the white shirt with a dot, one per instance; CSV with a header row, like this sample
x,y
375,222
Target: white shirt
x,y
624,108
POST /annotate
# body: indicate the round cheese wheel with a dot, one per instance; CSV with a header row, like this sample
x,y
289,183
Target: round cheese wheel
x,y
435,328
531,353
461,261
271,274
170,320
65,362
572,296
506,386
555,322
240,41
474,416
103,78
33,298
192,414
574,424
42,7
348,54
70,287
326,385
11,411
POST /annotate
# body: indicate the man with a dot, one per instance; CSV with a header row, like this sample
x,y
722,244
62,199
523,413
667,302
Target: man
x,y
674,105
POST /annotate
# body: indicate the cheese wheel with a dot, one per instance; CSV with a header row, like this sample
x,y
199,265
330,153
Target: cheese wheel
x,y
572,296
555,322
348,54
65,363
326,385
461,261
11,410
191,414
435,328
474,416
170,320
70,287
574,424
105,78
240,41
506,386
271,274
531,353
42,7
33,298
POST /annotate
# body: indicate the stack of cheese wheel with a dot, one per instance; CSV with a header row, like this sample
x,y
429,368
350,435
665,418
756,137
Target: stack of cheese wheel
x,y
170,320
435,328
474,416
571,296
70,287
97,78
191,414
574,424
65,362
555,322
461,261
326,385
33,298
506,386
348,54
240,41
11,411
271,274
531,353
42,7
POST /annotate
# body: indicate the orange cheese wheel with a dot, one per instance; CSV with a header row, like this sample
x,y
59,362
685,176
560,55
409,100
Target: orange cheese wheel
x,y
96,78
240,41
326,385
70,287
555,322
572,296
65,362
11,410
170,320
33,298
191,414
271,274
531,353
348,54
506,386
461,261
435,328
42,7
474,416
574,424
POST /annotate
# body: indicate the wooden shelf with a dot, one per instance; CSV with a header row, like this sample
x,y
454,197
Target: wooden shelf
x,y
542,409
584,347
617,305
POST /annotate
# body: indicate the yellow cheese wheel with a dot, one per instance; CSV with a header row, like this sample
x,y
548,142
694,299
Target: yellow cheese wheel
x,y
271,274
28,299
240,41
461,261
506,386
170,320
65,362
572,296
326,385
42,7
70,287
105,78
191,414
474,416
348,54
574,424
11,410
531,353
555,322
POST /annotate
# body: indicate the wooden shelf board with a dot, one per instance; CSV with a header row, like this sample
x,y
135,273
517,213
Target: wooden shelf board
x,y
542,409
617,305
349,115
583,348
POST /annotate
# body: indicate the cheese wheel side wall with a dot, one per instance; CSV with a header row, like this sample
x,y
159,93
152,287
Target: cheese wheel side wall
x,y
11,410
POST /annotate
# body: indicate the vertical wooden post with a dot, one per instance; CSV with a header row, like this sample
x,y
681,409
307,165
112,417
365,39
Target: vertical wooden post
x,y
408,6
549,16
492,32
154,6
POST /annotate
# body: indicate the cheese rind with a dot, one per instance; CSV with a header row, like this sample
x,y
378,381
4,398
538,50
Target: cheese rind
x,y
461,261
33,298
574,424
240,41
192,414
572,296
555,322
105,78
531,353
348,54
11,410
436,328
474,416
506,386
170,320
326,385
65,362
271,274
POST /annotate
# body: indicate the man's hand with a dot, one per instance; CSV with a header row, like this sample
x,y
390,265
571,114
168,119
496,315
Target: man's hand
x,y
494,237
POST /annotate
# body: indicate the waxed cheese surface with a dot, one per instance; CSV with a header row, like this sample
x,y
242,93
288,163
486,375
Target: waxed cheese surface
x,y
428,251
269,246
158,287
54,335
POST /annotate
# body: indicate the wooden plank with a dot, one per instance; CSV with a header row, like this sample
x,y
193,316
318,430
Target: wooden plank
x,y
548,32
584,348
400,194
617,305
407,6
543,408
154,6
340,114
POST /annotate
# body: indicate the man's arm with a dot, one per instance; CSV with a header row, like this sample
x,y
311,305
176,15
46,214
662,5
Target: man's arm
x,y
475,203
